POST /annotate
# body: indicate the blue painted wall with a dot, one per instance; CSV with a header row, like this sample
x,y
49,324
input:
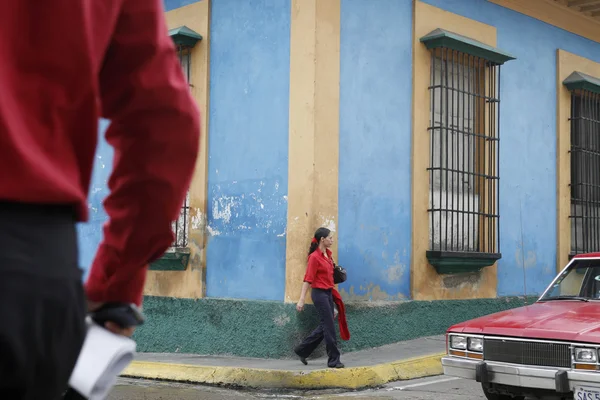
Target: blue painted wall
x,y
527,177
90,233
248,150
375,138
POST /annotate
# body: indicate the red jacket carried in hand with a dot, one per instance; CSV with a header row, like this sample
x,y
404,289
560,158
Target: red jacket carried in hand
x,y
65,64
342,322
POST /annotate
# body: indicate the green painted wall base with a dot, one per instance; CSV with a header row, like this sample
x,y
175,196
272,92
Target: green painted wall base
x,y
267,329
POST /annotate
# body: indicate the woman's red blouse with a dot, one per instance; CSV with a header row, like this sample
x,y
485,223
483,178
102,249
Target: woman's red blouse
x,y
319,272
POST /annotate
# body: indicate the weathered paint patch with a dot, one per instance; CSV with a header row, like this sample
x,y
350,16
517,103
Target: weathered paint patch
x,y
246,251
198,220
327,222
395,272
282,320
369,292
247,168
459,282
374,176
240,207
221,208
525,261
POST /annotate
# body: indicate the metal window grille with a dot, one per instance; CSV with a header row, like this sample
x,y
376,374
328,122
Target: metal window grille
x,y
185,59
464,142
585,172
180,225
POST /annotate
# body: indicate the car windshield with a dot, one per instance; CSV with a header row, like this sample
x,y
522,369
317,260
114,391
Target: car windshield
x,y
579,282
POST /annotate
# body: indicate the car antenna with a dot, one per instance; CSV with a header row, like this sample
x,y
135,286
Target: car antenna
x,y
523,252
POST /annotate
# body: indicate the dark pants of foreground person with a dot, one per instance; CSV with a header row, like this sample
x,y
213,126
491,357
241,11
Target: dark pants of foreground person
x,y
42,302
323,301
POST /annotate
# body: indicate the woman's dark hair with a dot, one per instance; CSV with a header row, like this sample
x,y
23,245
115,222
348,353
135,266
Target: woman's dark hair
x,y
320,233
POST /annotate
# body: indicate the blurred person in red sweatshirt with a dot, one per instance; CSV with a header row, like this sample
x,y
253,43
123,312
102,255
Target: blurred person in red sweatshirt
x,y
65,64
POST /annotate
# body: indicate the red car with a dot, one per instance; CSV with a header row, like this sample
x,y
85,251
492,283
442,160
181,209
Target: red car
x,y
550,349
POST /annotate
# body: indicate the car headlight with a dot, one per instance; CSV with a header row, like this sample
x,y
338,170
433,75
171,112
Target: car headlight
x,y
458,342
586,355
475,344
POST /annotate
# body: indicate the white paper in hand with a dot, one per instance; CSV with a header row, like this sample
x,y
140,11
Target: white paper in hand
x,y
102,359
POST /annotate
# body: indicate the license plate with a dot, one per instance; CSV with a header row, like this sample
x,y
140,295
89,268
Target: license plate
x,y
586,393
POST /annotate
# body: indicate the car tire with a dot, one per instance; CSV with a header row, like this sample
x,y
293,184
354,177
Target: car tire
x,y
496,396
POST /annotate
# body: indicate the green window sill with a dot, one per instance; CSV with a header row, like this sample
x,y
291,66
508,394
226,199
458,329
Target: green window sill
x,y
175,259
456,262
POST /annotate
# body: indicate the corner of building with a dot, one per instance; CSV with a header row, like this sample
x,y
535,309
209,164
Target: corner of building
x,y
190,283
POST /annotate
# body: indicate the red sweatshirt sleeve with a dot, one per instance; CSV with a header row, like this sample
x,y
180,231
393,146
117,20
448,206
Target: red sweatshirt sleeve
x,y
311,270
154,130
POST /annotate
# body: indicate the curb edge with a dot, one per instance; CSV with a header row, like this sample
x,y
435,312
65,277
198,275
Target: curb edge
x,y
347,378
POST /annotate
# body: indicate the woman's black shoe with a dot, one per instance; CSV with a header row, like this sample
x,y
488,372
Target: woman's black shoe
x,y
338,365
302,359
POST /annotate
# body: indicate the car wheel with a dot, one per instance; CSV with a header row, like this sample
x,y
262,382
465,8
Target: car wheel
x,y
495,396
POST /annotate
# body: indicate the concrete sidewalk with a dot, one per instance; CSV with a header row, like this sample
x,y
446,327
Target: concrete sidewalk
x,y
367,368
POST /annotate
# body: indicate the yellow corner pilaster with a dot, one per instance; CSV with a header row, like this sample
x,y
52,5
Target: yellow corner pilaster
x,y
327,110
313,168
426,284
191,282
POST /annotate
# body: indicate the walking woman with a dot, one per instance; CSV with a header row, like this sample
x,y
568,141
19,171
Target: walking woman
x,y
319,276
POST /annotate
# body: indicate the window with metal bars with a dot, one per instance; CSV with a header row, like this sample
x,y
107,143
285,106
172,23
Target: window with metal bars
x,y
463,167
180,225
184,39
585,172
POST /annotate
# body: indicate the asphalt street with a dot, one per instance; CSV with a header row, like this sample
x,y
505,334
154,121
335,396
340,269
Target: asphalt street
x,y
434,388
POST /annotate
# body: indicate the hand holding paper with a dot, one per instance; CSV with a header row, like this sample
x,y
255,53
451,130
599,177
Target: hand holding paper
x,y
103,357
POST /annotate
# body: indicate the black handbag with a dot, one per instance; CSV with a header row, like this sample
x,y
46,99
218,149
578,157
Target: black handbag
x,y
339,274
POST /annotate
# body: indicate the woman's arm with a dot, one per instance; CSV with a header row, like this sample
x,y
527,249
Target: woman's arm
x,y
300,305
309,278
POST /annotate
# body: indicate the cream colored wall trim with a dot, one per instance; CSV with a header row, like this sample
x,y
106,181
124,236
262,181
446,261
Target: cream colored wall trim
x,y
566,63
191,282
426,283
555,14
313,131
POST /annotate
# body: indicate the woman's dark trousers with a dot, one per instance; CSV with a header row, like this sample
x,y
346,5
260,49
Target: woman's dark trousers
x,y
323,301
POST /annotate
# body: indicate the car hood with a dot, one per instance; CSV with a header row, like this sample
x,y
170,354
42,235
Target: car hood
x,y
560,320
